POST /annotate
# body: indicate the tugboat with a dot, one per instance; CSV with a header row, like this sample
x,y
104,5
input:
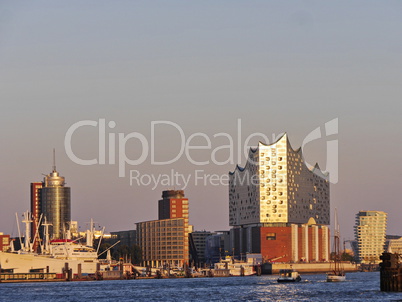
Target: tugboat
x,y
288,275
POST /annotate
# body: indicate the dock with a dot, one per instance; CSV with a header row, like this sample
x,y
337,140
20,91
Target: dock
x,y
391,272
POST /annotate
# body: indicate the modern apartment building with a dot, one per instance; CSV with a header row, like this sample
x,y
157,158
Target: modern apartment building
x,y
370,232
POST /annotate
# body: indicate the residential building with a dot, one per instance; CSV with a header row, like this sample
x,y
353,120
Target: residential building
x,y
370,232
393,244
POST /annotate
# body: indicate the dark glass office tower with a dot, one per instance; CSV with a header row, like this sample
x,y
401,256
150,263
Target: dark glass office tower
x,y
56,204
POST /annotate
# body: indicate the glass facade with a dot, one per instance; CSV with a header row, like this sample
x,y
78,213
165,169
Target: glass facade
x,y
56,207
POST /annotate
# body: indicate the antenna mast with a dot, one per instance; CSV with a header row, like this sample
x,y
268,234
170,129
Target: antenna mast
x,y
54,160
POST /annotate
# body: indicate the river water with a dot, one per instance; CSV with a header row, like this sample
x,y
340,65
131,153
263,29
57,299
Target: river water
x,y
358,287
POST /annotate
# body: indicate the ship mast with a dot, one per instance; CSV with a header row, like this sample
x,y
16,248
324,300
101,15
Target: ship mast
x,y
337,257
46,236
27,241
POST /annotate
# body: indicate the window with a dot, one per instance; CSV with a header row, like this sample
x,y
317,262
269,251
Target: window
x,y
271,236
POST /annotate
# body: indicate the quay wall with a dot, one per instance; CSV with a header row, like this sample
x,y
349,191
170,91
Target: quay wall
x,y
322,267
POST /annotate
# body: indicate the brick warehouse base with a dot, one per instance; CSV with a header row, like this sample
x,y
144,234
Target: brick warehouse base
x,y
290,243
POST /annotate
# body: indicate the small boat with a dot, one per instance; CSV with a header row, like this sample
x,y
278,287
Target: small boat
x,y
336,277
288,275
336,274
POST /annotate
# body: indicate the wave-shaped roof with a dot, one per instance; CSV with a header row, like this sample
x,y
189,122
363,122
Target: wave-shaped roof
x,y
315,169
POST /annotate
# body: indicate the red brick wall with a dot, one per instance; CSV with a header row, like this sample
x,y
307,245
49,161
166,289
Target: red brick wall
x,y
271,249
276,248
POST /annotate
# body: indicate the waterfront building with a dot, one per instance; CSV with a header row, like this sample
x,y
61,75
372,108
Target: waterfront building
x,y
278,206
166,241
198,238
128,238
217,246
393,244
55,204
370,232
163,242
51,200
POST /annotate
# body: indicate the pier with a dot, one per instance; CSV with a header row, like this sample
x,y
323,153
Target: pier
x,y
391,272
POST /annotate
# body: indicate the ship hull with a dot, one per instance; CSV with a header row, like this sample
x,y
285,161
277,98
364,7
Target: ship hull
x,y
25,263
335,278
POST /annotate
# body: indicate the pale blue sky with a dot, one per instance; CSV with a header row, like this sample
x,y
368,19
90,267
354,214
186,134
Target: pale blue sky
x,y
279,66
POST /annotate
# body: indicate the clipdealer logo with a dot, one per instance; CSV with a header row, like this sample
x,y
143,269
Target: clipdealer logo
x,y
236,148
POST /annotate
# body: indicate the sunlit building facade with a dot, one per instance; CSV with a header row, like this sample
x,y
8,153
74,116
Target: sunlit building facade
x,y
278,206
370,234
173,205
166,241
163,242
55,204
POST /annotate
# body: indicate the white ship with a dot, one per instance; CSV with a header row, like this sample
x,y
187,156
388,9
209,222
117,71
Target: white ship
x,y
81,258
231,267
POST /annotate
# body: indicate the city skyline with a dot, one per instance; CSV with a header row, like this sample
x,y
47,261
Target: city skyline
x,y
275,67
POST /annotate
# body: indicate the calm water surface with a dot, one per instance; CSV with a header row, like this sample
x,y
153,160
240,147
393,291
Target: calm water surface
x,y
359,287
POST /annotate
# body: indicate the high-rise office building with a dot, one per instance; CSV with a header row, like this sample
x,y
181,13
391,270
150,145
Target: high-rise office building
x,y
278,206
55,204
173,205
370,233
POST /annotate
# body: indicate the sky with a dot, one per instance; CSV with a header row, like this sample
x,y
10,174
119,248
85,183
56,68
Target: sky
x,y
159,73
